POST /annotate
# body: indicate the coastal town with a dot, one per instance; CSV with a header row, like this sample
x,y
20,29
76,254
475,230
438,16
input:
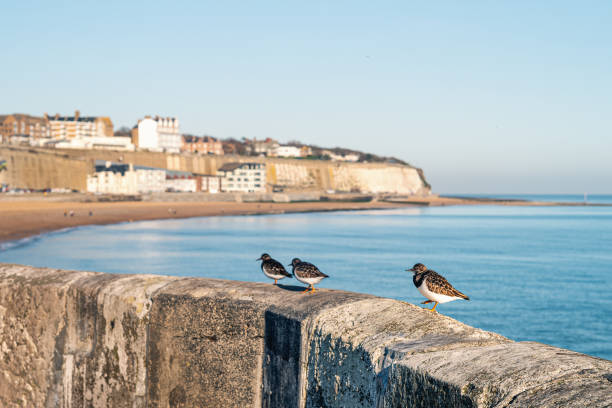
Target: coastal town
x,y
161,135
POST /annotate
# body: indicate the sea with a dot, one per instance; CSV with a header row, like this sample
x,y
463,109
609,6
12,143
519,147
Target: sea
x,y
532,273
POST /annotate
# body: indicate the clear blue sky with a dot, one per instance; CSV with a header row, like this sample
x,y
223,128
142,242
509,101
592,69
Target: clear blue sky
x,y
486,97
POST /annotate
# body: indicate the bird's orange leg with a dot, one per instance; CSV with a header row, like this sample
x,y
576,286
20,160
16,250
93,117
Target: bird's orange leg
x,y
307,289
275,281
426,302
434,308
313,289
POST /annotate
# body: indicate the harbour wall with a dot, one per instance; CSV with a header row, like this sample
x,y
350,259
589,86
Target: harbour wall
x,y
74,339
39,168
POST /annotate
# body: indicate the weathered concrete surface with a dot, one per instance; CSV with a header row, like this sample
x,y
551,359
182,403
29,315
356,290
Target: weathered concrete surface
x,y
75,339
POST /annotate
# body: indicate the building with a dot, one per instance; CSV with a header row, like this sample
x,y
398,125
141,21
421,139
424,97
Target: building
x,y
202,145
265,147
346,157
209,184
22,128
306,151
119,178
243,177
77,126
288,151
158,134
181,181
104,143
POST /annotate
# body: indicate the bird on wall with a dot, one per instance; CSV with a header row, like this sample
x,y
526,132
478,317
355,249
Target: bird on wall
x,y
307,273
272,268
433,286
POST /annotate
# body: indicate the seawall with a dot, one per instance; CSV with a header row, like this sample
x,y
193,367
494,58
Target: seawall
x,y
74,339
38,168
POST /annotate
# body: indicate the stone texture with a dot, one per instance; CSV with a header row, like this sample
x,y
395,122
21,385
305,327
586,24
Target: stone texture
x,y
75,339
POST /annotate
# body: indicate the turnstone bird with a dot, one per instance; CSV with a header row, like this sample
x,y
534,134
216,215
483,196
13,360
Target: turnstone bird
x,y
272,268
307,273
433,286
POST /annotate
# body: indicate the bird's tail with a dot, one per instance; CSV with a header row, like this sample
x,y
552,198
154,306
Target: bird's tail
x,y
461,295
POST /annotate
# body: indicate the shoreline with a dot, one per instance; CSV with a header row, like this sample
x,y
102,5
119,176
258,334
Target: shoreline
x,y
21,220
29,217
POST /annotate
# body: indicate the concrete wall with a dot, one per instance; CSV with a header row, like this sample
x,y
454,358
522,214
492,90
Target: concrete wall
x,y
290,173
74,339
39,170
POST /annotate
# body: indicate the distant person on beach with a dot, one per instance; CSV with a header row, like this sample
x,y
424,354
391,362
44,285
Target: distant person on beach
x,y
90,213
72,213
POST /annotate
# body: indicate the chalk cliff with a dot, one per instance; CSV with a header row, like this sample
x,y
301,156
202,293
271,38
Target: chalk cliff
x,y
68,168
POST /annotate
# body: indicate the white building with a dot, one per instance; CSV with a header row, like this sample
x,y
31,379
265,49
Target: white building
x,y
116,178
264,147
210,184
181,181
287,151
158,134
243,177
106,143
350,157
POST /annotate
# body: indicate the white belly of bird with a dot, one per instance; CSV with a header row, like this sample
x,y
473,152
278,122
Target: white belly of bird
x,y
436,297
309,281
272,275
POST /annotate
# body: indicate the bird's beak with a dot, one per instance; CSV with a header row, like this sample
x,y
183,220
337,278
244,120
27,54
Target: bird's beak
x,y
290,264
258,259
410,270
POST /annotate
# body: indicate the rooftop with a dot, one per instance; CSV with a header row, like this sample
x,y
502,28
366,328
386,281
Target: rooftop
x,y
234,165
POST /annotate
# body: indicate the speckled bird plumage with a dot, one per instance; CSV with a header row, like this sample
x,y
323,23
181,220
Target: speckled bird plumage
x,y
307,270
307,273
433,286
272,268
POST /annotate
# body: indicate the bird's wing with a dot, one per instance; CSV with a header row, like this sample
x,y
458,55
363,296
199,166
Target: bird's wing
x,y
437,284
275,267
308,270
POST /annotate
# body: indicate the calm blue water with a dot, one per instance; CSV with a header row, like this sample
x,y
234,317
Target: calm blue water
x,y
542,274
559,198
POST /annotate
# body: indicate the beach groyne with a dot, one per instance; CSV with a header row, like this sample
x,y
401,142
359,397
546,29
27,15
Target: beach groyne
x,y
74,339
38,168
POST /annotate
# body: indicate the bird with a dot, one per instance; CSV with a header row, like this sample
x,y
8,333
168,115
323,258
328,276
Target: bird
x,y
307,273
433,286
272,268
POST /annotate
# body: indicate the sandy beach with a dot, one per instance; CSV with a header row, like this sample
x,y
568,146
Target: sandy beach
x,y
20,219
28,216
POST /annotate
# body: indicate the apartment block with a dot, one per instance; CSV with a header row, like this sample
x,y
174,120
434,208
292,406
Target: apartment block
x,y
19,127
158,134
77,126
202,145
243,177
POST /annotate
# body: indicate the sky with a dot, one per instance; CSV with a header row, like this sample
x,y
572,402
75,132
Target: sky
x,y
485,96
